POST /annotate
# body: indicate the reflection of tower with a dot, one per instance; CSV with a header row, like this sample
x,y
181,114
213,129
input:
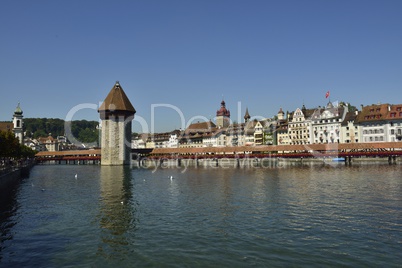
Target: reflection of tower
x,y
116,113
246,116
117,210
223,116
17,120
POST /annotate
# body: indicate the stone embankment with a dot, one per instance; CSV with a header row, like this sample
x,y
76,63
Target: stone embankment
x,y
12,171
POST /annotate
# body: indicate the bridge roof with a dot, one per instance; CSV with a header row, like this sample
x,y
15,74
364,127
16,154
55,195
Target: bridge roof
x,y
69,153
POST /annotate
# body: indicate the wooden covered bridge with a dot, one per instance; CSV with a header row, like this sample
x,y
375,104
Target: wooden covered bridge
x,y
346,150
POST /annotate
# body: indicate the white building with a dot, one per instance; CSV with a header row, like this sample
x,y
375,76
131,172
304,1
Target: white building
x,y
326,123
173,141
372,122
394,123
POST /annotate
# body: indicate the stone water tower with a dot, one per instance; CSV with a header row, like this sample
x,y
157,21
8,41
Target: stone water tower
x,y
116,113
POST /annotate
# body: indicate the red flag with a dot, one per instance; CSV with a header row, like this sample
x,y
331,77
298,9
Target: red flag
x,y
327,94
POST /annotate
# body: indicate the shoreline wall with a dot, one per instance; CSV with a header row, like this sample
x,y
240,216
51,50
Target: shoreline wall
x,y
14,175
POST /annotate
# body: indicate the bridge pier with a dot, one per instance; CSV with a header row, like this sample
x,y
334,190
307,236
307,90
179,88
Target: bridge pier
x,y
392,159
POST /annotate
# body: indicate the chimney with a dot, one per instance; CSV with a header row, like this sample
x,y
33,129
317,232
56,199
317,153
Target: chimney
x,y
361,106
389,108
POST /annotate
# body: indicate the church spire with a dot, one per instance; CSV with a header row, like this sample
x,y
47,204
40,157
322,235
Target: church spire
x,y
246,116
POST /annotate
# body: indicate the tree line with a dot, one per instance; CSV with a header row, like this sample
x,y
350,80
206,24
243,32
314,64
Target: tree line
x,y
83,130
11,148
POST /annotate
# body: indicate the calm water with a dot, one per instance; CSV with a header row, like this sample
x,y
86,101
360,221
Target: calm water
x,y
295,216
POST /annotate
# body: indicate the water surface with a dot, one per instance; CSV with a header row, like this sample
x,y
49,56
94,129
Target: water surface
x,y
294,216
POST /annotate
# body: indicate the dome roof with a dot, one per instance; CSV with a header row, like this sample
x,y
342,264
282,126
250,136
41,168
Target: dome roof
x,y
223,111
18,110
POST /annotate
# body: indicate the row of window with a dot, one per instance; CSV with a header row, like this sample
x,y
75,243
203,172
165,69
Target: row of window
x,y
394,114
380,138
381,131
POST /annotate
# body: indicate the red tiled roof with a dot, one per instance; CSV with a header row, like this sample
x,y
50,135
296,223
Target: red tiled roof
x,y
375,112
395,112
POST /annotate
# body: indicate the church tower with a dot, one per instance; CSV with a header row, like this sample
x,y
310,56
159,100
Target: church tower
x,y
281,114
223,116
246,116
116,113
17,121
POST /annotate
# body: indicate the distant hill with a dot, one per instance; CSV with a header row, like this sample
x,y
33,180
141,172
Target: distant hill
x,y
83,130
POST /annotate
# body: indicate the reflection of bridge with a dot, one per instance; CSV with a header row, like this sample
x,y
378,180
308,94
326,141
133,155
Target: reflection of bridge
x,y
283,150
347,150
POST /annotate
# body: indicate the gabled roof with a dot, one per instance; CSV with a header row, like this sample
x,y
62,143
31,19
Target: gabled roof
x,y
117,100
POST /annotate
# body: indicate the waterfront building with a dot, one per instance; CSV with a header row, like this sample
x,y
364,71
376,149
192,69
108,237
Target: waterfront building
x,y
264,132
372,122
173,140
18,124
281,135
162,140
34,144
249,129
326,123
350,131
299,126
236,132
223,116
48,143
381,123
235,135
258,133
116,113
139,142
194,133
394,122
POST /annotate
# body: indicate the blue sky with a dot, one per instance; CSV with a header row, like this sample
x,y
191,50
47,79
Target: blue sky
x,y
55,55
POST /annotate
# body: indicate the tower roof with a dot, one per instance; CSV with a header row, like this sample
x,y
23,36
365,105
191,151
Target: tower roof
x,y
117,102
18,110
223,111
247,115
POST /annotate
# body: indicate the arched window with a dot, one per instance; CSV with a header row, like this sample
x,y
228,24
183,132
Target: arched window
x,y
18,123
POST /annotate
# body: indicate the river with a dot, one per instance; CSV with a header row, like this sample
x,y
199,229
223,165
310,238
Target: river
x,y
318,215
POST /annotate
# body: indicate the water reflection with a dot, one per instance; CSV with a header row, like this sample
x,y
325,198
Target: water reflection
x,y
117,210
8,209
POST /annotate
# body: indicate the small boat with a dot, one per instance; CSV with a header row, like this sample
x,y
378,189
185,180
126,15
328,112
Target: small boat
x,y
338,159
